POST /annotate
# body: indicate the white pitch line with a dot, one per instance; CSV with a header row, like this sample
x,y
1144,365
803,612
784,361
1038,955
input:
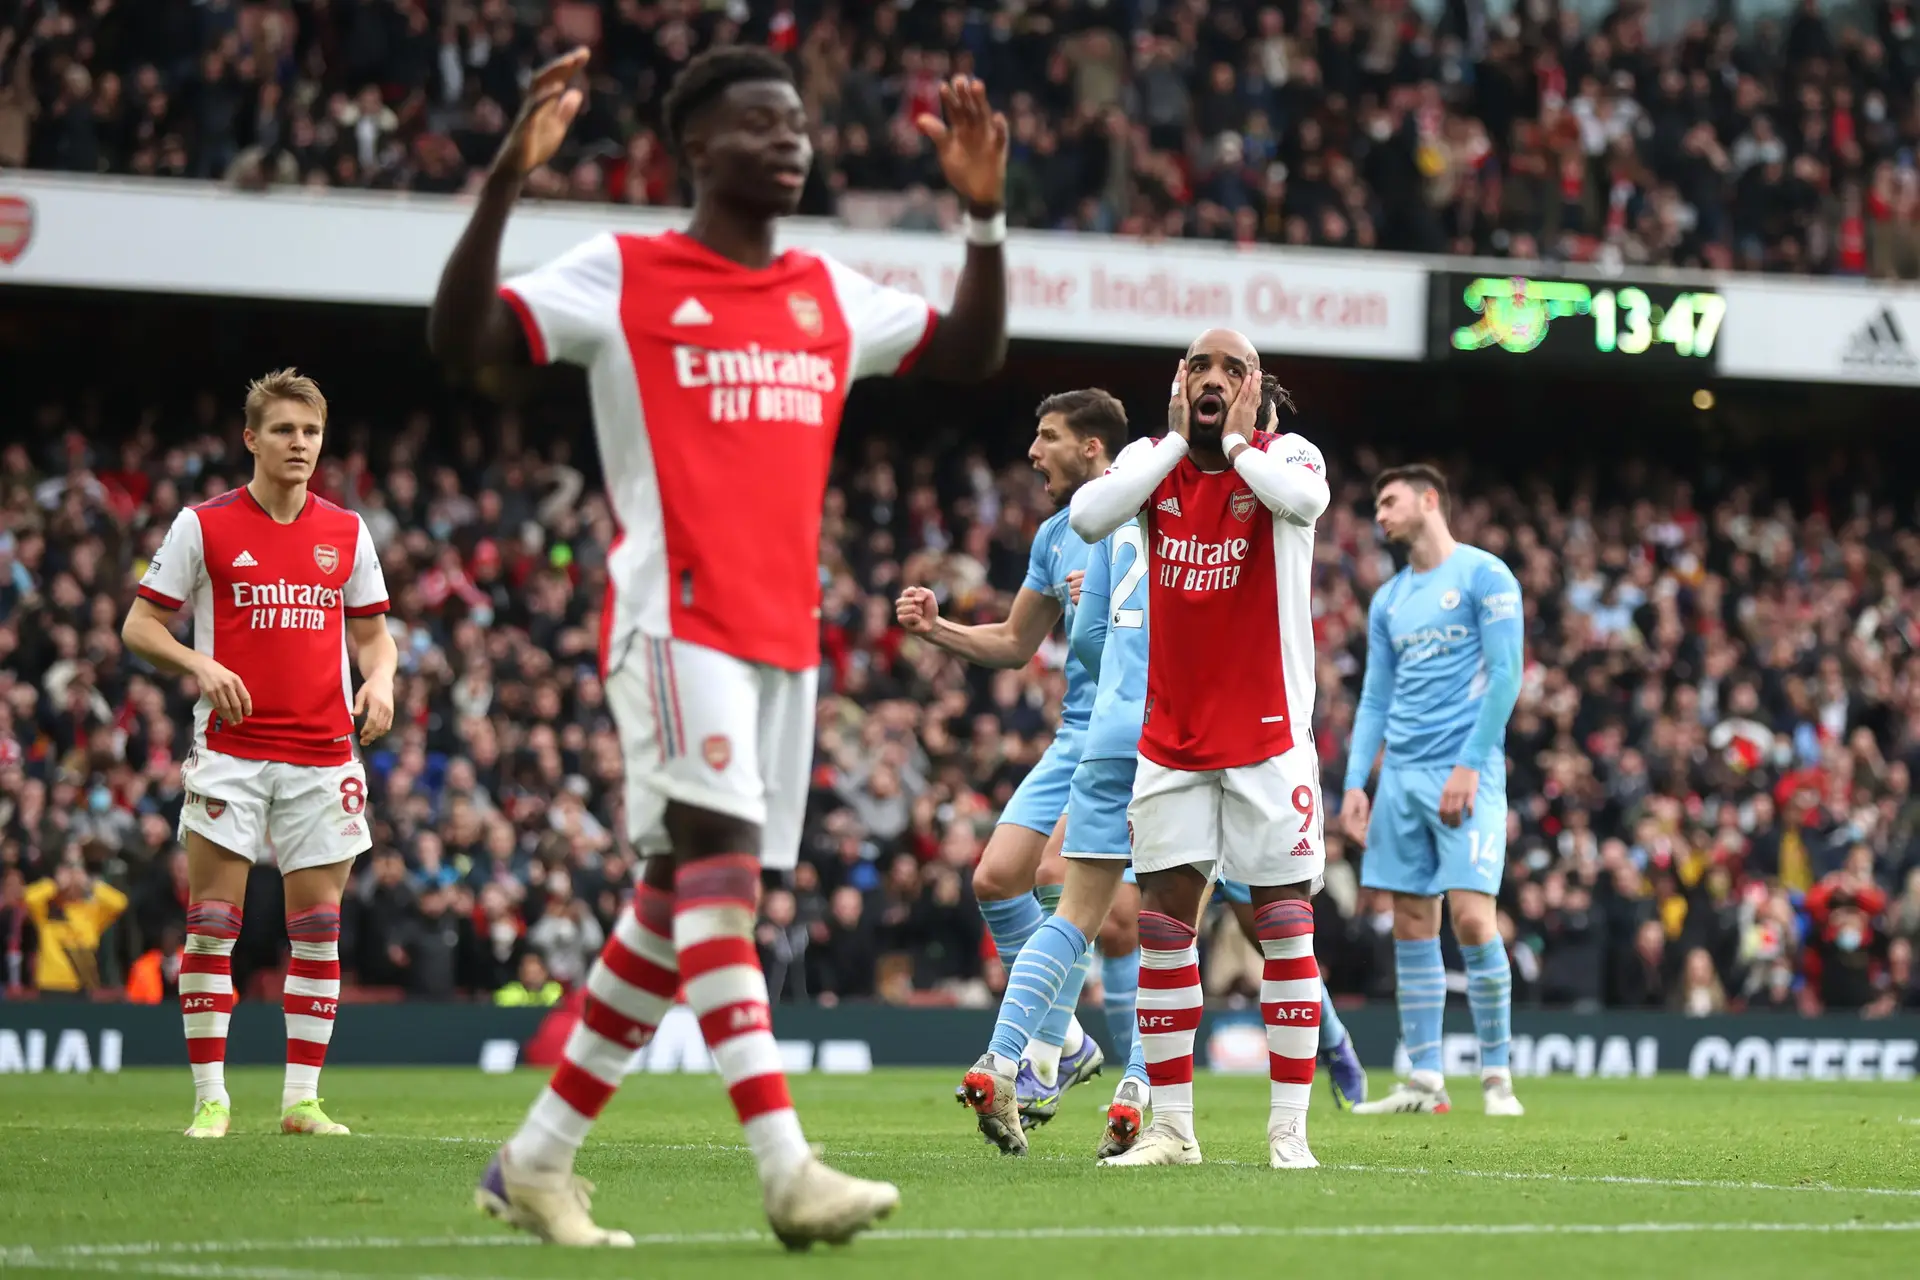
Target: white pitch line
x,y
1623,1180
212,1271
13,1255
1571,1179
1377,1230
95,1257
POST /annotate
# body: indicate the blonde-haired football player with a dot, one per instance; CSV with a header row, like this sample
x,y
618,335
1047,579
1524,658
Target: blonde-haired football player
x,y
276,579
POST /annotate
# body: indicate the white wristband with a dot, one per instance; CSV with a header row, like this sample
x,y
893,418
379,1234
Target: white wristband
x,y
1227,443
985,232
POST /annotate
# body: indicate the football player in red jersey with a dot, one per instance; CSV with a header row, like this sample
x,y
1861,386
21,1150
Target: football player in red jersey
x,y
277,579
1227,785
718,369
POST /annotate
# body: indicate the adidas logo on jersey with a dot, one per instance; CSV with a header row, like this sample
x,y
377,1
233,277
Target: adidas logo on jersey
x,y
1303,850
245,560
1880,345
691,312
1169,505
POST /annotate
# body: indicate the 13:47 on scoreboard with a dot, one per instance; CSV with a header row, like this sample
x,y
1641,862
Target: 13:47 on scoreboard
x,y
1628,320
1576,322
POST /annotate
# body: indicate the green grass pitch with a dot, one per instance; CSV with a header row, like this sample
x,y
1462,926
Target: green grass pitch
x,y
1669,1177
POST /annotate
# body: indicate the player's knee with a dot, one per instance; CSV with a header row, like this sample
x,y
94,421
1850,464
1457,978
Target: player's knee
x,y
1474,922
1170,893
1415,919
1119,935
705,833
657,873
994,881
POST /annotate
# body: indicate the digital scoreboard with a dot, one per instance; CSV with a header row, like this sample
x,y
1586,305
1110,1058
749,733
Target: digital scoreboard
x,y
1575,323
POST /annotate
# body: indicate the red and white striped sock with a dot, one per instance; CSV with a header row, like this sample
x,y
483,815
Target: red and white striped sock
x,y
310,999
206,994
713,933
1168,1009
1289,1004
629,990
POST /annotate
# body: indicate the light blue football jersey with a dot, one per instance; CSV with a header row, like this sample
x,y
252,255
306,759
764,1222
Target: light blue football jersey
x,y
1058,551
1436,643
1110,637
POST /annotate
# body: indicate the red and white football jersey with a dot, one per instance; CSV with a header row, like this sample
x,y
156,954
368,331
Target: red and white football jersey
x,y
717,392
1230,664
269,604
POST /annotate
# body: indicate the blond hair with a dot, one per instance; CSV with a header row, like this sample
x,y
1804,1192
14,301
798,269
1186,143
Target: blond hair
x,y
283,384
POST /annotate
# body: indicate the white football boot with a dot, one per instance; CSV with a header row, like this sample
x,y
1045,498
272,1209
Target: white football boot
x,y
990,1089
815,1202
1287,1145
1125,1119
1423,1091
1160,1144
553,1204
1496,1090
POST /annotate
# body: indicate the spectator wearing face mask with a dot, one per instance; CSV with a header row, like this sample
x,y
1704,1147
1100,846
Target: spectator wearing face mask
x,y
1848,958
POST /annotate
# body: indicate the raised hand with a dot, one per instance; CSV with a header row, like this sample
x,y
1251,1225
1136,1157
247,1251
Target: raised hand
x,y
1243,411
917,610
1177,406
971,144
545,115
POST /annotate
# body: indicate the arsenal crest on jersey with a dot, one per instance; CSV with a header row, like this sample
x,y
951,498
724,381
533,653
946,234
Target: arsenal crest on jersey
x,y
327,557
717,751
1241,504
806,313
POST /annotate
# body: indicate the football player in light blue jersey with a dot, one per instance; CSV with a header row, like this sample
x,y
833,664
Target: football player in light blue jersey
x,y
1018,880
1111,603
1444,650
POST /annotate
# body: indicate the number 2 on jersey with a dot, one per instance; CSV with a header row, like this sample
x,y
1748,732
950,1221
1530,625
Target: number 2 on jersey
x,y
1128,535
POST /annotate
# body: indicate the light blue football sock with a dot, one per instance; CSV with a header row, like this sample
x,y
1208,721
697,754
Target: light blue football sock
x,y
1137,1062
1053,1028
1120,981
1012,921
1421,991
1490,997
1042,970
1333,1032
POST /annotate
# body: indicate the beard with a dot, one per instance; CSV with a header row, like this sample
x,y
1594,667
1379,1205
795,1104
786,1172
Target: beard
x,y
1207,434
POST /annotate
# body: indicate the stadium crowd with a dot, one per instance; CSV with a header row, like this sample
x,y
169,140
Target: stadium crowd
x,y
1712,761
1344,123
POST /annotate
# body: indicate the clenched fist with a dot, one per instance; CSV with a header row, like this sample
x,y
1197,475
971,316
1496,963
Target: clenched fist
x,y
917,610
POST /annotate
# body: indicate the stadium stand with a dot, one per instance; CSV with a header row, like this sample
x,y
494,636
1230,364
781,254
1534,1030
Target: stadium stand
x,y
1635,138
1712,760
1713,756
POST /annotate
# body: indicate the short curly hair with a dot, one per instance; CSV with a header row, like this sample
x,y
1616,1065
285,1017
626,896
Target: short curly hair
x,y
711,74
